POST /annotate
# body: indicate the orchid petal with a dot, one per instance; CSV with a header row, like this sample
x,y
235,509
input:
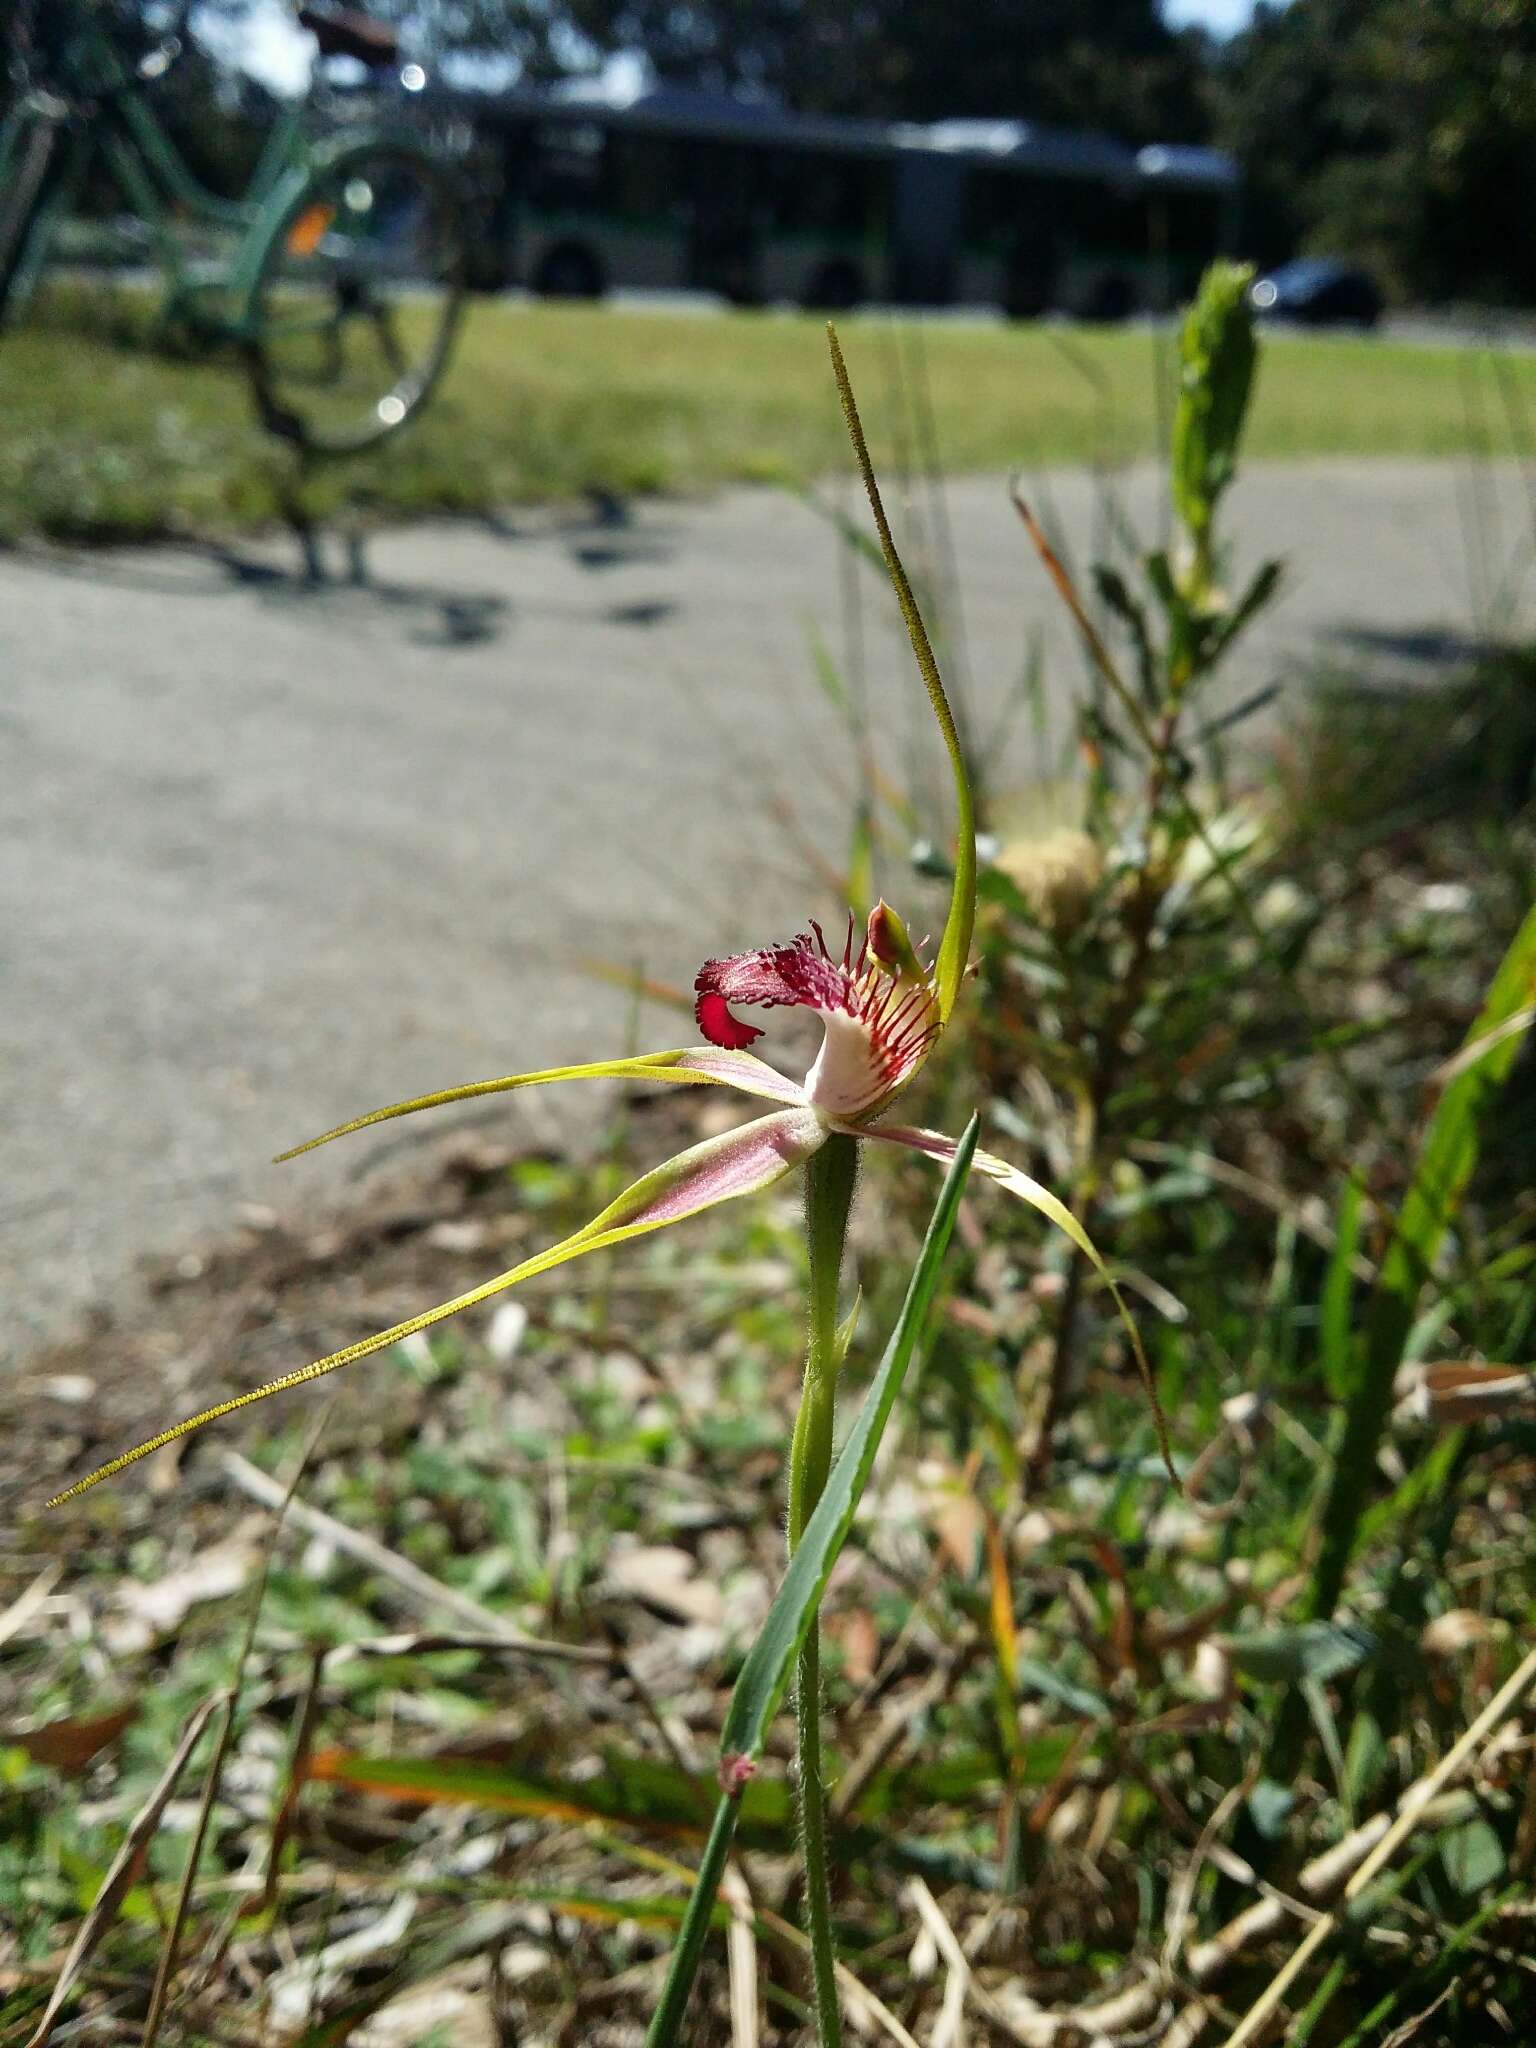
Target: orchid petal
x,y
741,1162
733,1069
955,944
1019,1184
876,1003
691,1063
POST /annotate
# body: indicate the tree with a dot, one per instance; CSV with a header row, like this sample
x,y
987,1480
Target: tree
x,y
1398,132
1099,63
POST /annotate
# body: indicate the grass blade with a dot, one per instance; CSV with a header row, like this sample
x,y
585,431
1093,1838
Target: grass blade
x,y
1445,1164
1335,1355
766,1673
955,944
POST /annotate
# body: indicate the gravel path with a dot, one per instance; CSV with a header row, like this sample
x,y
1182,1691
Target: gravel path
x,y
270,855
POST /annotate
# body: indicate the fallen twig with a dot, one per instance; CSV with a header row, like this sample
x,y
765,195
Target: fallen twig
x,y
25,1605
124,1865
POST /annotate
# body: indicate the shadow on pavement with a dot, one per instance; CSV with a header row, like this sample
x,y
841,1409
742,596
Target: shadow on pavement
x,y
1431,647
329,567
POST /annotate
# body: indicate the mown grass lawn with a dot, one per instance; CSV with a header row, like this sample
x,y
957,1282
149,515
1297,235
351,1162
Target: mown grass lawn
x,y
104,440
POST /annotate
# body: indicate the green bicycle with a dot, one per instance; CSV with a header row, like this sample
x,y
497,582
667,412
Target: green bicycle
x,y
341,269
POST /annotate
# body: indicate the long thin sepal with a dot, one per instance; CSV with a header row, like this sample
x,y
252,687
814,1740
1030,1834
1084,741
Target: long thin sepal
x,y
704,1064
1019,1184
738,1163
955,945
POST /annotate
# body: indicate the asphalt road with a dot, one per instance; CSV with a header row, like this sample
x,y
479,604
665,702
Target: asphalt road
x,y
271,855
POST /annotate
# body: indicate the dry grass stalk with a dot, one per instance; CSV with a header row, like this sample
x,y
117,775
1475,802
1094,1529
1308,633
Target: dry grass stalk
x,y
1410,1814
124,1867
401,1573
741,1961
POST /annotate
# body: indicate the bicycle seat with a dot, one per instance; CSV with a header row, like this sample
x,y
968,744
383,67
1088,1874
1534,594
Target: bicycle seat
x,y
349,32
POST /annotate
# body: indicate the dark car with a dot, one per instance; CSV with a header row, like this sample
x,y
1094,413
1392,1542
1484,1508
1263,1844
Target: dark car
x,y
1319,293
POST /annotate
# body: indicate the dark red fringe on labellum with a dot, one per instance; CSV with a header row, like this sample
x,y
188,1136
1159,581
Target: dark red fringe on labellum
x,y
801,975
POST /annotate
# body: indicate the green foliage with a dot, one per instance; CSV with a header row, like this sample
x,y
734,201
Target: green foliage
x,y
1447,1158
1216,364
1400,133
1109,64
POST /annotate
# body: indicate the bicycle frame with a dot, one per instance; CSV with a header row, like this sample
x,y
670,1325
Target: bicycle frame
x,y
153,179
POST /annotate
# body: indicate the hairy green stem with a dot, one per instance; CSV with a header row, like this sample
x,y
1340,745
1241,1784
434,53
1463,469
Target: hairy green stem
x,y
828,1196
666,2025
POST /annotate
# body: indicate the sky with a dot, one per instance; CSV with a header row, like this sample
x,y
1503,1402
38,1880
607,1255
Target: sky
x,y
1222,17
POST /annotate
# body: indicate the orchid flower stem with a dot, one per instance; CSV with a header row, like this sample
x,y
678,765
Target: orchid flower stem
x,y
830,1175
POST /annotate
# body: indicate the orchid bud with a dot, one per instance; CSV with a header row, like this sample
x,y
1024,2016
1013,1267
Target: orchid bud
x,y
888,943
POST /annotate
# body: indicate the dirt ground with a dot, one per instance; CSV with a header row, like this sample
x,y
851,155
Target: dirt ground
x,y
265,1297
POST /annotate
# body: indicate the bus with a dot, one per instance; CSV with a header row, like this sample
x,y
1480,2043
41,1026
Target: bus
x,y
586,190
1042,220
676,189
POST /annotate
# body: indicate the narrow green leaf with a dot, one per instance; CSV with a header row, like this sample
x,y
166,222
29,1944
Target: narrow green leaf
x,y
847,1328
1317,1650
1366,1758
1334,1352
827,673
1115,593
861,862
1424,1481
848,530
635,1791
1265,582
1077,1699
955,944
766,1672
1446,1160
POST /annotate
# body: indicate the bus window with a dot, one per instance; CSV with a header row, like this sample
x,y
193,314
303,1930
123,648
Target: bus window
x,y
643,181
567,165
1106,266
722,181
1013,242
822,215
1185,227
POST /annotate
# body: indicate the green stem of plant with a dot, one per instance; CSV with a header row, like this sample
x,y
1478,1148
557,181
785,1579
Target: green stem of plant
x,y
828,1197
666,2025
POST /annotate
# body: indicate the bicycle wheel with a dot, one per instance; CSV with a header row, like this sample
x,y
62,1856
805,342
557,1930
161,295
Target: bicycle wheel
x,y
24,212
357,298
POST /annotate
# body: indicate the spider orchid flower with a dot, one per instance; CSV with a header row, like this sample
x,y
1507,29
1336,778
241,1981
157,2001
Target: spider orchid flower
x,y
882,1011
882,1008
